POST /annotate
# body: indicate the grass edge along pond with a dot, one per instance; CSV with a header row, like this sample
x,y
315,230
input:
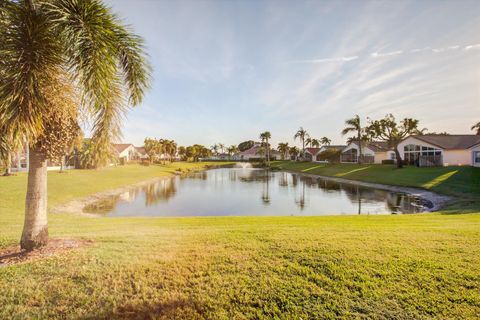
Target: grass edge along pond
x,y
405,266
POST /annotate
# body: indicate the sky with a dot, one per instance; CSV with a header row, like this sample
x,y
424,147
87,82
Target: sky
x,y
225,71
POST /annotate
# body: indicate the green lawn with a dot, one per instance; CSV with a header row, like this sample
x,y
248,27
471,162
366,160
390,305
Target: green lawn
x,y
390,267
460,182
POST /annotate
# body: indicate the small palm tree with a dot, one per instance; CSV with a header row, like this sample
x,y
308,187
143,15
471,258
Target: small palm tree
x,y
293,151
301,134
314,143
476,127
214,149
325,141
354,125
49,47
221,147
283,148
265,136
232,150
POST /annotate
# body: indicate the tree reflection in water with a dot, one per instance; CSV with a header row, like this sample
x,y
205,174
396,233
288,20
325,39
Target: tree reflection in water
x,y
233,192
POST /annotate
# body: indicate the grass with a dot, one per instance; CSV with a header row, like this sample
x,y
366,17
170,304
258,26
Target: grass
x,y
390,267
463,183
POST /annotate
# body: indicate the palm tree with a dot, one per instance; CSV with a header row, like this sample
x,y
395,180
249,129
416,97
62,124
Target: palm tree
x,y
293,151
214,149
302,135
314,143
265,136
476,127
283,148
221,146
354,125
325,141
51,45
232,150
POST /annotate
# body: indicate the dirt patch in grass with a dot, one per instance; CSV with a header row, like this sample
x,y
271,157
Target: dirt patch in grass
x,y
15,255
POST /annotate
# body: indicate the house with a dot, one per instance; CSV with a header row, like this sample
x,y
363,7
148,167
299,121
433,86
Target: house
x,y
126,152
373,152
141,153
20,161
314,154
443,150
255,152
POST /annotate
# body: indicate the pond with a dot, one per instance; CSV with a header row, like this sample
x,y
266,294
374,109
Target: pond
x,y
253,192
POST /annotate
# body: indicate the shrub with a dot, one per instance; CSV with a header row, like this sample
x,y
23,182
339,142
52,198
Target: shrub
x,y
388,161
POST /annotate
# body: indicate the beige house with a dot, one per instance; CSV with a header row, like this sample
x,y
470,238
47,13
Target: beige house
x,y
373,152
445,150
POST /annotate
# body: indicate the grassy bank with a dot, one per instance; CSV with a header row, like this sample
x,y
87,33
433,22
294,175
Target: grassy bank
x,y
403,267
460,182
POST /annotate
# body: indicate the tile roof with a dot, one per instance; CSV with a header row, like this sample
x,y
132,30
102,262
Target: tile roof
x,y
120,147
451,141
312,151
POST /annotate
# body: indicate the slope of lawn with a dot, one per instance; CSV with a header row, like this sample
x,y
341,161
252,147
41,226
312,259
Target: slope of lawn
x,y
461,182
391,267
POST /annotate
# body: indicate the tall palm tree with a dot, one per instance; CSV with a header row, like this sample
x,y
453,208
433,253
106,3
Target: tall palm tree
x,y
265,136
354,125
301,134
325,141
46,44
283,148
476,127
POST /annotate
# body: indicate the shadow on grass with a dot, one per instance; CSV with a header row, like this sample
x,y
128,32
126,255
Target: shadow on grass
x,y
174,309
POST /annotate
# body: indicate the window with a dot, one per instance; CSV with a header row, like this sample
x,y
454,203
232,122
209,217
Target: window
x,y
476,157
415,153
393,156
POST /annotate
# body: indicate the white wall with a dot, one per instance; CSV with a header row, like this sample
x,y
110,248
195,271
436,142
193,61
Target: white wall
x,y
412,140
457,157
477,148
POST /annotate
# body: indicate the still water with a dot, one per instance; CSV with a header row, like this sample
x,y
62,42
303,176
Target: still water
x,y
253,192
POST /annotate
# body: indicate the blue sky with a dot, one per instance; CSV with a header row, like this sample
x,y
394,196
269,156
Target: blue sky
x,y
224,71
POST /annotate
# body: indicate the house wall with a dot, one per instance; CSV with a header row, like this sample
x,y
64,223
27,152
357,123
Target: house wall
x,y
129,153
457,157
477,148
380,156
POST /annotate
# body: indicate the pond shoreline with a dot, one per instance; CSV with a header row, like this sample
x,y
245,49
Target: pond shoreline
x,y
77,206
438,201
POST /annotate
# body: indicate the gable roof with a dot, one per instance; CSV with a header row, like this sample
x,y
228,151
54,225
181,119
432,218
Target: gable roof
x,y
451,141
376,146
141,150
312,151
120,147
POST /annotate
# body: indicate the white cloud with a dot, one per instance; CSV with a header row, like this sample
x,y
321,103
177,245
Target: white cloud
x,y
386,54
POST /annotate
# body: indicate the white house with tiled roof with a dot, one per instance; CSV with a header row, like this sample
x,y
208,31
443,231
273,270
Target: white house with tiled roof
x,y
373,152
126,151
255,152
313,154
446,150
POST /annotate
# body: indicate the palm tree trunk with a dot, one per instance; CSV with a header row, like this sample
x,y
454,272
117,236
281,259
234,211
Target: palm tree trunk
x,y
35,228
8,165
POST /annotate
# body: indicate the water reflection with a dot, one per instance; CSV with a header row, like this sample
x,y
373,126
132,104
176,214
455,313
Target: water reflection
x,y
232,192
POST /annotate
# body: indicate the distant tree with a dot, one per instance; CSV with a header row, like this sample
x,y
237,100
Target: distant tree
x,y
232,150
325,141
265,137
301,134
221,147
294,152
393,132
283,148
151,149
214,149
476,127
246,145
7,148
182,152
354,125
314,143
